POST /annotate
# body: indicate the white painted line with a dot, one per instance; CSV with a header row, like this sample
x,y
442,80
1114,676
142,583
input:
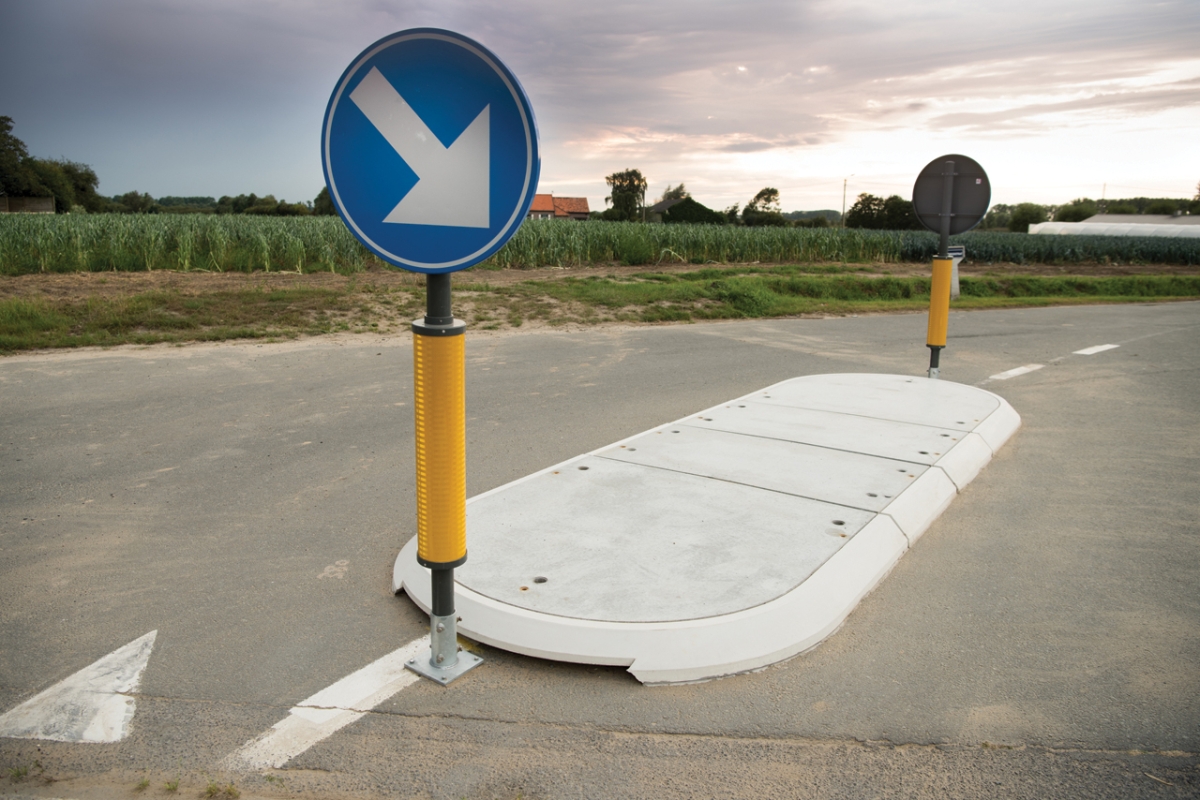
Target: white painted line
x,y
329,710
1100,348
93,705
1012,373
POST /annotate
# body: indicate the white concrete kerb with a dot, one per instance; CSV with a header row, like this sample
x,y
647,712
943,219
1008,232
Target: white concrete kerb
x,y
724,541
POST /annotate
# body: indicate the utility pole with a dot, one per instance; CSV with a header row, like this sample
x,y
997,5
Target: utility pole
x,y
844,182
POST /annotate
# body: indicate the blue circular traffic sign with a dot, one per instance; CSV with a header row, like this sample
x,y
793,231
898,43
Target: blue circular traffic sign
x,y
430,150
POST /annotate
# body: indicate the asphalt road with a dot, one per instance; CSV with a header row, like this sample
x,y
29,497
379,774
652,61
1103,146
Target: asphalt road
x,y
247,502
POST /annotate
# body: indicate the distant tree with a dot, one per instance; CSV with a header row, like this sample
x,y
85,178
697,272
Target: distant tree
x,y
1077,210
876,213
674,193
264,206
867,212
85,183
1024,215
1163,206
763,210
689,211
135,203
898,215
286,209
54,182
731,214
16,180
323,205
1196,197
766,200
628,195
236,205
830,215
997,217
821,221
763,219
193,202
21,175
1118,207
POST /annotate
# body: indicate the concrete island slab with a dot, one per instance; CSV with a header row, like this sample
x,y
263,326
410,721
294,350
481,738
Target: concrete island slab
x,y
725,541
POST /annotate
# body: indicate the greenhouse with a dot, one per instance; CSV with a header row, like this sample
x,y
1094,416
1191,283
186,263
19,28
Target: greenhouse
x,y
1177,227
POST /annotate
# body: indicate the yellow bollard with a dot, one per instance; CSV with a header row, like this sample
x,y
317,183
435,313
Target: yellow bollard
x,y
439,397
440,417
939,311
939,302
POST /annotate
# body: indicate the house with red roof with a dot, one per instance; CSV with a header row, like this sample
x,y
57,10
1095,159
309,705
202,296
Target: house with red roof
x,y
547,206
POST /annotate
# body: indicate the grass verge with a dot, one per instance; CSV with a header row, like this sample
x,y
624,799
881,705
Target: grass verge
x,y
174,316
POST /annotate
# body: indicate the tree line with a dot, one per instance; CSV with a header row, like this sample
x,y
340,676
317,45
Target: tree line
x,y
74,189
628,191
1019,217
627,203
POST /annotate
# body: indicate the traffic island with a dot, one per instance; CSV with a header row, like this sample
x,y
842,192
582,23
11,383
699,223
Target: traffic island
x,y
725,541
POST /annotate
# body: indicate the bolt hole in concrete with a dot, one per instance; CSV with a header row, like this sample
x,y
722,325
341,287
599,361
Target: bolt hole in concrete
x,y
674,431
583,467
633,449
540,579
924,452
839,522
524,588
872,494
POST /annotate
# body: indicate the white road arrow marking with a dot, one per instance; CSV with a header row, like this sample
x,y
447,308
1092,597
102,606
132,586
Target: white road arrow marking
x,y
330,710
93,705
453,182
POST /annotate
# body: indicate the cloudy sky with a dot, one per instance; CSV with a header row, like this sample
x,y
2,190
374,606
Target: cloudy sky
x,y
1055,99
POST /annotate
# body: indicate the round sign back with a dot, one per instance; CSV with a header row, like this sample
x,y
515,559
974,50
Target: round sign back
x,y
430,150
972,194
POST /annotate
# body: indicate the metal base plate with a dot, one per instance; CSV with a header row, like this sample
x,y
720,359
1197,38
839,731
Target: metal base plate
x,y
423,666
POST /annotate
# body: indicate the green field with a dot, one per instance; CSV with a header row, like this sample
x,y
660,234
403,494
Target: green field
x,y
239,243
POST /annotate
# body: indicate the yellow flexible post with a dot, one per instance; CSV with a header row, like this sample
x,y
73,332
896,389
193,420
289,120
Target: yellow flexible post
x,y
939,302
439,396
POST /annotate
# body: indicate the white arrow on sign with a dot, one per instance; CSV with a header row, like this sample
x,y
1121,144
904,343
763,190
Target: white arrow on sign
x,y
452,182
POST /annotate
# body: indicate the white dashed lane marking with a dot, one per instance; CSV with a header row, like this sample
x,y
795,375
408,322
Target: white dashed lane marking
x,y
1025,370
1012,373
329,710
1100,348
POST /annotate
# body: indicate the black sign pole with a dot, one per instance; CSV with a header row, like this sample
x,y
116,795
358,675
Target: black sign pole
x,y
947,209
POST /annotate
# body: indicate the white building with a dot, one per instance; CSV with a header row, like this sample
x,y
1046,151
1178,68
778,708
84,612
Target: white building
x,y
1170,225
